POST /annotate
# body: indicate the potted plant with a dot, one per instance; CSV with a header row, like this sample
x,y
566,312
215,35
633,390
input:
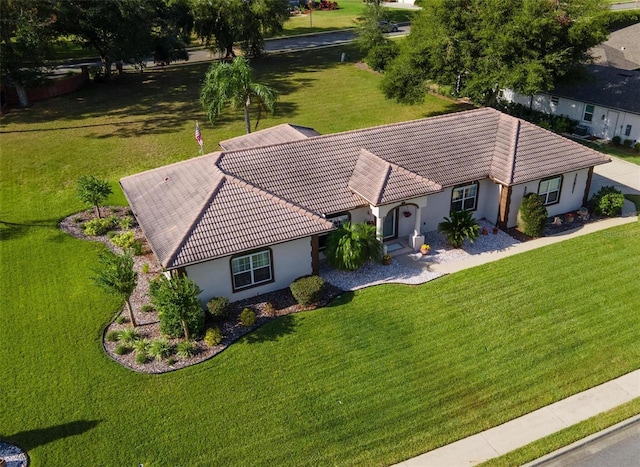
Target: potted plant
x,y
569,217
425,249
496,230
406,213
485,231
386,260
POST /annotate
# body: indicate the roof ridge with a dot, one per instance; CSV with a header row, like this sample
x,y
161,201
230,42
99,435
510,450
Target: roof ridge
x,y
513,149
196,220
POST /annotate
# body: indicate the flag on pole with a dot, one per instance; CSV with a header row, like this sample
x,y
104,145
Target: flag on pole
x,y
199,136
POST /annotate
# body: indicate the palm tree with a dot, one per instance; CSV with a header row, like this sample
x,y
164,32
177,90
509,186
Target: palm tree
x,y
459,226
231,84
352,245
117,276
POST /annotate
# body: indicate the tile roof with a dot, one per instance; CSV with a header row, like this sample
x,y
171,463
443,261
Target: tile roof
x,y
227,202
277,134
606,86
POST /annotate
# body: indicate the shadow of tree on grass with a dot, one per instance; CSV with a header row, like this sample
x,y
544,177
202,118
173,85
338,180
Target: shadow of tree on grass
x,y
30,439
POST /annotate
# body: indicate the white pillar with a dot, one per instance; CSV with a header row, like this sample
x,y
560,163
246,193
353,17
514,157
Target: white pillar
x,y
416,239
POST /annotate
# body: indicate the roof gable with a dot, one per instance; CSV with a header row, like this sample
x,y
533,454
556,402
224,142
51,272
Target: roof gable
x,y
277,134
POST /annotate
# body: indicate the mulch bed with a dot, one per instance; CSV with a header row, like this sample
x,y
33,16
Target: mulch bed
x,y
281,301
552,228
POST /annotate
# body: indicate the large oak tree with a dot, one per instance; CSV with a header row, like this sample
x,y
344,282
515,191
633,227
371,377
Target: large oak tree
x,y
477,47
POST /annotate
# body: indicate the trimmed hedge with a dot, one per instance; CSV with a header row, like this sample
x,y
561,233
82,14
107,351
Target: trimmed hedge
x,y
532,215
307,290
608,201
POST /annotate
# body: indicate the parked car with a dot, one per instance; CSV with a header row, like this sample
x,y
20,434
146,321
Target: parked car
x,y
387,26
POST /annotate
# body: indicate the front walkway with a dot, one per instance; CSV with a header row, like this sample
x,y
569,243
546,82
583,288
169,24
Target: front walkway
x,y
521,431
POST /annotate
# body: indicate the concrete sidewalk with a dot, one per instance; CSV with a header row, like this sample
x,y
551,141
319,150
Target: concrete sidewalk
x,y
530,427
482,258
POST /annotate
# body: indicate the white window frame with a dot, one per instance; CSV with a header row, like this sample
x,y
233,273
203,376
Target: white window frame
x,y
547,190
588,113
465,193
251,263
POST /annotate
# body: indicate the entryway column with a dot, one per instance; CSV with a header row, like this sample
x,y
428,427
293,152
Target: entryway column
x,y
416,239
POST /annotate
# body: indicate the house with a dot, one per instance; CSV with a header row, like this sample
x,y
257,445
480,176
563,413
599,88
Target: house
x,y
607,104
251,218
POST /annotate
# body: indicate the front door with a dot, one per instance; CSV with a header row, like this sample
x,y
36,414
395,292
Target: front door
x,y
610,124
389,227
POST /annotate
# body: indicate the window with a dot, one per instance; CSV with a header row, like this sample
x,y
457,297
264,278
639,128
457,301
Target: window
x,y
337,220
627,131
588,113
464,197
549,190
251,270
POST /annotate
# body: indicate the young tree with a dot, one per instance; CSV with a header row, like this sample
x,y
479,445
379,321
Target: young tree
x,y
477,47
93,191
222,23
377,48
26,37
352,245
116,275
231,84
177,302
532,215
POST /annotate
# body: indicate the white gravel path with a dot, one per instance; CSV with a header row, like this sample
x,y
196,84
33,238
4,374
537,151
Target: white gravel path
x,y
414,268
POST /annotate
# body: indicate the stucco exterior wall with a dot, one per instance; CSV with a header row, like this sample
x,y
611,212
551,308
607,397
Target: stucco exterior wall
x,y
571,195
606,123
290,260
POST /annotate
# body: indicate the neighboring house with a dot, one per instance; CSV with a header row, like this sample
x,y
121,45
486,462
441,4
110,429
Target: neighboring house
x,y
251,218
608,103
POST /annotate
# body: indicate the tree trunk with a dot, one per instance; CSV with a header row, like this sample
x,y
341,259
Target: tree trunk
x,y
186,329
107,68
22,95
247,123
97,211
131,317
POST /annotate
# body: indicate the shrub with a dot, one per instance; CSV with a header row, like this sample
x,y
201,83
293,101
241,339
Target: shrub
x,y
627,143
96,227
159,348
307,290
178,306
247,317
171,361
269,309
127,241
213,336
352,245
608,201
112,336
186,349
141,358
615,140
121,319
126,222
460,226
147,308
532,215
218,307
637,147
129,335
141,346
145,268
111,234
121,349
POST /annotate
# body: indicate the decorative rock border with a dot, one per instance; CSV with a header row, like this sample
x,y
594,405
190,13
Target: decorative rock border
x,y
12,456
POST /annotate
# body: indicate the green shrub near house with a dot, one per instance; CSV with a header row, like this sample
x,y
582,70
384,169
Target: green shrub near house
x,y
608,201
218,307
307,290
458,227
247,317
532,216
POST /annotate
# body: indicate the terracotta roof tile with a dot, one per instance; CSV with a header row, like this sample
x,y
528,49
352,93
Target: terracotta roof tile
x,y
277,134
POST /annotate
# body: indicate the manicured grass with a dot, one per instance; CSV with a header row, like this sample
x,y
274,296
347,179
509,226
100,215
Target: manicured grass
x,y
345,17
378,376
567,436
627,154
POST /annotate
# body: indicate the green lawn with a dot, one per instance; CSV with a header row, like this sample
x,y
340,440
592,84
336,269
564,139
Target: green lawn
x,y
378,376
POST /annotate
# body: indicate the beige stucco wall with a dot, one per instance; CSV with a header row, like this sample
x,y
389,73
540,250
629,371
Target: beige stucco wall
x,y
570,195
290,261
